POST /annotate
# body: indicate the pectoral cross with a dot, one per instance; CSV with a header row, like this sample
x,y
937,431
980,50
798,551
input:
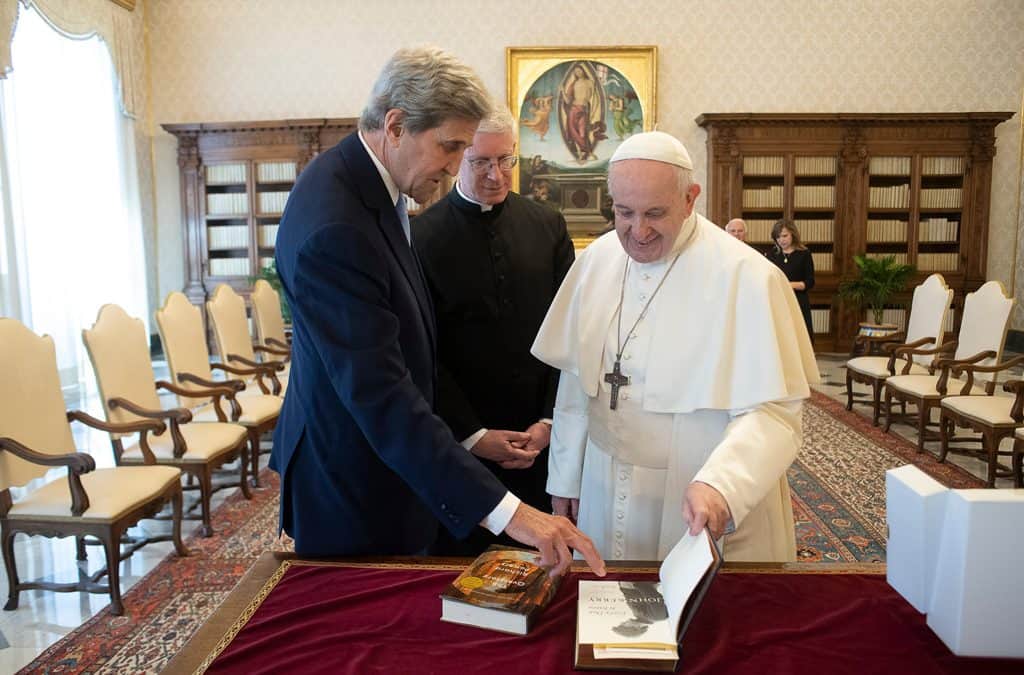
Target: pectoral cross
x,y
616,379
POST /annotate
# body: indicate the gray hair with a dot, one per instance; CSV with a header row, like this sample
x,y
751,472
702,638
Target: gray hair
x,y
430,86
500,121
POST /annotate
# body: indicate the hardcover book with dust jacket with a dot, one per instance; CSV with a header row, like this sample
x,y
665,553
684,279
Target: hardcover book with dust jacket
x,y
504,589
639,625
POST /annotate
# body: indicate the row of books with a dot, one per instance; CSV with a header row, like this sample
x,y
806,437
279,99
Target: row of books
x,y
268,235
938,229
815,166
821,320
814,196
762,166
225,174
275,172
822,262
227,237
812,230
889,166
767,197
272,202
942,166
938,262
229,267
227,203
886,229
940,198
889,197
900,258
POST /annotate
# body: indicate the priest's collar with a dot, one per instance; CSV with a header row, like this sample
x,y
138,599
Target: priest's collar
x,y
484,208
385,176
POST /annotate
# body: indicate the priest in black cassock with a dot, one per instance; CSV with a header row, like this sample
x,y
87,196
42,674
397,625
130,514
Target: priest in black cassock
x,y
494,261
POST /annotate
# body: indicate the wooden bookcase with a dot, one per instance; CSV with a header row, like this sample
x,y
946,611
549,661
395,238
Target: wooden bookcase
x,y
235,178
916,185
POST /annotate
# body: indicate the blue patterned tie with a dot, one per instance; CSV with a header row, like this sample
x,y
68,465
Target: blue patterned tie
x,y
403,217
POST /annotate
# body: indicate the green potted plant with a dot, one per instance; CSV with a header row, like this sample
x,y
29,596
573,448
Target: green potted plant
x,y
878,281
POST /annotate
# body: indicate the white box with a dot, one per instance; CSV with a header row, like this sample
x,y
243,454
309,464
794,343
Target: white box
x,y
977,604
914,508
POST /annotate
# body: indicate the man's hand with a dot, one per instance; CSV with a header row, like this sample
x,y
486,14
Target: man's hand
x,y
540,436
704,505
553,536
507,448
566,507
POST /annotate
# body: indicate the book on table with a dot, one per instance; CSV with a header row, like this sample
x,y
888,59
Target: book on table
x,y
639,625
504,589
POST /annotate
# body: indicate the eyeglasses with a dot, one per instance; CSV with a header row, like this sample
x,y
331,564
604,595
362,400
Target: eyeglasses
x,y
482,165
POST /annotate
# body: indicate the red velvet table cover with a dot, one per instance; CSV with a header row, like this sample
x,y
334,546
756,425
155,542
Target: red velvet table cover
x,y
330,619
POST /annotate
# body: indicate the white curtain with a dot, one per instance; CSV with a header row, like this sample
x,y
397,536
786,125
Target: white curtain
x,y
71,203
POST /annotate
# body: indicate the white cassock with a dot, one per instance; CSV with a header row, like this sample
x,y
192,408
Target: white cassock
x,y
718,366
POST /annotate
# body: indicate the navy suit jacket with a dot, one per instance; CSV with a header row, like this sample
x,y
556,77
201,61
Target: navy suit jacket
x,y
366,467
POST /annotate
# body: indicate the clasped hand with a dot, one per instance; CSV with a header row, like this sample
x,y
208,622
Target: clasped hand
x,y
513,449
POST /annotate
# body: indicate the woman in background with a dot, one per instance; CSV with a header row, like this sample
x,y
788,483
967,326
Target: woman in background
x,y
793,258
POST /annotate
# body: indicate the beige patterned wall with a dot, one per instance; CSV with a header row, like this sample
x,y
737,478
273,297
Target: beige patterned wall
x,y
228,60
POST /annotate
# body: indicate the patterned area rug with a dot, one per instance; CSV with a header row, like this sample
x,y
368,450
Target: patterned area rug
x,y
838,483
838,487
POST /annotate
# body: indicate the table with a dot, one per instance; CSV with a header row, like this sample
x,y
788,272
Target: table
x,y
382,615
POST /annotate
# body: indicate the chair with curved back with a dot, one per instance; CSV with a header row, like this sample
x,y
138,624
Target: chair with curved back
x,y
928,310
979,342
268,320
188,359
119,351
230,325
35,436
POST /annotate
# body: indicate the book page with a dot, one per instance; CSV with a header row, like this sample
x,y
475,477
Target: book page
x,y
682,570
617,615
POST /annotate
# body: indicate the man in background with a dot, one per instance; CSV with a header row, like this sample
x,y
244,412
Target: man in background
x,y
366,467
737,228
493,261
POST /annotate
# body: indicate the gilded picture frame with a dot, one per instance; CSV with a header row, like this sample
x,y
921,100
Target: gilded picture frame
x,y
574,106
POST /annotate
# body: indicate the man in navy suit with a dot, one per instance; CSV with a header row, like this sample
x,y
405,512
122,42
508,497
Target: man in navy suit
x,y
366,467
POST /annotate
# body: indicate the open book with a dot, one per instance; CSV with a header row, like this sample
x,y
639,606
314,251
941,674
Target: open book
x,y
639,625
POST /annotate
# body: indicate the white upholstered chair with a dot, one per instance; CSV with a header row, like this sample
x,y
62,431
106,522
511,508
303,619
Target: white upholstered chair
x,y
35,436
928,310
993,417
230,325
119,350
268,320
979,342
184,342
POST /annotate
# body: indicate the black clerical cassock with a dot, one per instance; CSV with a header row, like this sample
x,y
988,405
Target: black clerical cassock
x,y
493,275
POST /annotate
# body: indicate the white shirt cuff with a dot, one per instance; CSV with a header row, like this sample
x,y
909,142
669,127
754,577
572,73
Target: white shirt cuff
x,y
472,440
547,421
498,519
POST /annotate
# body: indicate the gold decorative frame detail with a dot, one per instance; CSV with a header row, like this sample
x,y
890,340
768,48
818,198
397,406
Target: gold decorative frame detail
x,y
127,4
581,200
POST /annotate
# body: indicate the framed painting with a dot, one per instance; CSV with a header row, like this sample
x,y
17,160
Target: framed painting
x,y
574,106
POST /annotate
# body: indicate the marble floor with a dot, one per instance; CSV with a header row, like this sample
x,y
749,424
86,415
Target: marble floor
x,y
43,617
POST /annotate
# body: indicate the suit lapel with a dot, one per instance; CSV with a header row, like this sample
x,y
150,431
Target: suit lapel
x,y
376,198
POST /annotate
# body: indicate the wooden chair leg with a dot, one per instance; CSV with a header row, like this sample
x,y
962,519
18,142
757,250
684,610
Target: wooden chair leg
x,y
80,548
923,411
12,569
876,400
243,465
176,512
946,428
205,490
254,455
112,547
888,409
849,390
1018,463
991,446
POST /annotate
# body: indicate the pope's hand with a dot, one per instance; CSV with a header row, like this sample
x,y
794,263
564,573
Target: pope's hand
x,y
554,537
565,506
704,505
507,448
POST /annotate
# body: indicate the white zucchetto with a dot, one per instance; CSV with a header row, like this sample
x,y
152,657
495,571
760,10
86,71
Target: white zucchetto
x,y
654,145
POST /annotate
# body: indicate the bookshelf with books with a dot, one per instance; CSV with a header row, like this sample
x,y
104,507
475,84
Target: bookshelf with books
x,y
916,186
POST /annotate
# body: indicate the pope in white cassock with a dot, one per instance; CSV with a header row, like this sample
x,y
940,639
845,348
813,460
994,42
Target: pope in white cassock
x,y
684,363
